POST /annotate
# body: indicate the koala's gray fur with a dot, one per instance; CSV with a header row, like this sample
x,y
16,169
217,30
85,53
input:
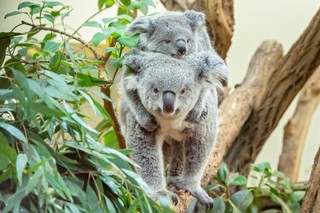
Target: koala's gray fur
x,y
175,34
159,93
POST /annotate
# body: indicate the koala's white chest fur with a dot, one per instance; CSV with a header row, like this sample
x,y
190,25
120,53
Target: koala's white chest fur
x,y
172,127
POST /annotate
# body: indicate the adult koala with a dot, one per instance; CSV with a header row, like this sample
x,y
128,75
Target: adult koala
x,y
168,89
172,33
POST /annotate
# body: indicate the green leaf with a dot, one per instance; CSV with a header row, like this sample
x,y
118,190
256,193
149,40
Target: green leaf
x,y
109,3
261,167
137,4
49,18
100,4
15,132
92,24
33,180
51,46
89,81
7,156
238,181
242,199
126,2
283,204
223,172
13,64
4,43
98,38
75,116
22,160
27,4
219,205
297,196
49,36
13,14
131,41
52,4
116,62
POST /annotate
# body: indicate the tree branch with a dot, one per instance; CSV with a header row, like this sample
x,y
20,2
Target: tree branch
x,y
311,202
96,55
295,132
274,97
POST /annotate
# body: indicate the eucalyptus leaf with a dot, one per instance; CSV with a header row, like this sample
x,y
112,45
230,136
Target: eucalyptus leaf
x,y
15,132
98,38
242,199
92,24
27,4
13,14
22,160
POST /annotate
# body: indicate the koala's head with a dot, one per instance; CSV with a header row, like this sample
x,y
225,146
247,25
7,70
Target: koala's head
x,y
170,87
171,33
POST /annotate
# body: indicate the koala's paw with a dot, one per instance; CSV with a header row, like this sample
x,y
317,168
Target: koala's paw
x,y
148,123
194,189
172,196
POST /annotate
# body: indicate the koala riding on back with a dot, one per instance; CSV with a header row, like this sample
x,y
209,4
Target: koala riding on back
x,y
160,92
175,34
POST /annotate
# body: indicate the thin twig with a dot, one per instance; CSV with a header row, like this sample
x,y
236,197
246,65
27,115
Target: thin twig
x,y
96,55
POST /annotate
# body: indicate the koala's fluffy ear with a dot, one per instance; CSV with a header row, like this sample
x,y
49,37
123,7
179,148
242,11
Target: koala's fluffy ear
x,y
195,19
141,25
133,60
212,70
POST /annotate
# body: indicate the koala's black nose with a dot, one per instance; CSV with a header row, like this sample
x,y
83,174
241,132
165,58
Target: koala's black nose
x,y
181,46
168,101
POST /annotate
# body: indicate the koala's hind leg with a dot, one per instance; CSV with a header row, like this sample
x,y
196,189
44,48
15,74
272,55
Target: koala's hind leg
x,y
148,155
197,150
175,169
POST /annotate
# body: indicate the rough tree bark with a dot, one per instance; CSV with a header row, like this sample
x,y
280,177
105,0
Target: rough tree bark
x,y
275,96
295,132
219,19
311,202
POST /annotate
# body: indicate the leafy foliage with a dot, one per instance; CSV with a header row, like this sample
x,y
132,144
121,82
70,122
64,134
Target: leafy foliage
x,y
246,194
50,157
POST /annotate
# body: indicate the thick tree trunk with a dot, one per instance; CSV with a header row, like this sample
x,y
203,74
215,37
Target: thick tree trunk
x,y
295,132
311,202
274,97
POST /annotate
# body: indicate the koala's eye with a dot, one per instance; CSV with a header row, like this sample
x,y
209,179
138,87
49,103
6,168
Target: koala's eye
x,y
167,41
182,91
155,90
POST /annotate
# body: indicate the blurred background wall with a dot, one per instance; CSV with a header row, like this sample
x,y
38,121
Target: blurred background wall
x,y
255,21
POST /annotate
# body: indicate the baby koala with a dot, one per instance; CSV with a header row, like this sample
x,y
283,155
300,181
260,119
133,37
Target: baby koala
x,y
175,34
167,89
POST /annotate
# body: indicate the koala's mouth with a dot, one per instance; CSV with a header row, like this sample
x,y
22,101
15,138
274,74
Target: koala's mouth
x,y
173,114
178,56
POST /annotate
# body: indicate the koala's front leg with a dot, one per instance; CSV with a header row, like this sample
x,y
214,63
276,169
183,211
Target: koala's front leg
x,y
143,117
148,155
197,149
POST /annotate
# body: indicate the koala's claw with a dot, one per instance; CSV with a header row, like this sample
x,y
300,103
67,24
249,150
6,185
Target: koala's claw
x,y
195,190
156,195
